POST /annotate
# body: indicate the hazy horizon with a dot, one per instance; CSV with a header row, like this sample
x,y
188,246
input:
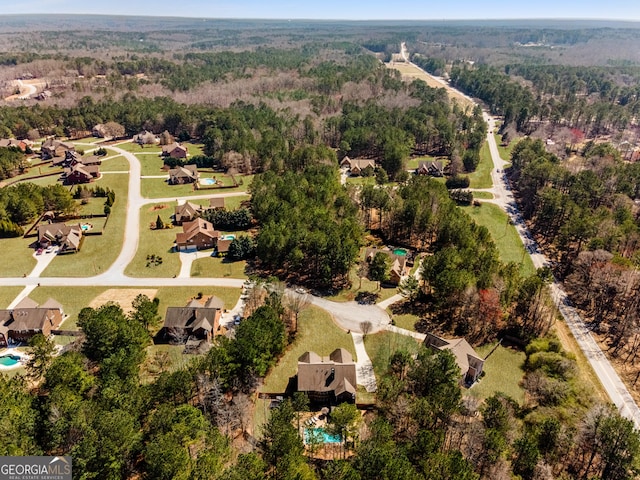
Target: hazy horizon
x,y
404,10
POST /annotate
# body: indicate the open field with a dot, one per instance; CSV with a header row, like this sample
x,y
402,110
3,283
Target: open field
x,y
33,171
158,188
411,72
361,180
209,266
21,255
503,373
505,152
7,294
135,148
100,251
481,178
122,296
504,235
115,164
383,344
483,195
151,164
156,242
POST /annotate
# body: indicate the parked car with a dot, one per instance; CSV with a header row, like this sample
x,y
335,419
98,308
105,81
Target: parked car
x,y
49,249
39,251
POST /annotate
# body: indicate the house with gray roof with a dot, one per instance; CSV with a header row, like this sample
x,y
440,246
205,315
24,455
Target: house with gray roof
x,y
470,363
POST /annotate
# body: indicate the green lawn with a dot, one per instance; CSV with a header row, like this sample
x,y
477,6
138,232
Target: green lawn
x,y
505,152
7,294
383,344
504,235
361,180
406,321
503,373
151,164
412,163
316,332
21,255
483,195
41,170
481,178
156,242
158,188
115,164
135,148
100,251
216,267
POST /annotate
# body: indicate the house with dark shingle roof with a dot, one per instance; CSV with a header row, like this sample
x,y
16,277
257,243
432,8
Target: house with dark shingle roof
x,y
183,175
67,237
328,380
193,321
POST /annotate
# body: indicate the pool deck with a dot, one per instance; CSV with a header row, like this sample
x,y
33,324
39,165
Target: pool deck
x,y
12,351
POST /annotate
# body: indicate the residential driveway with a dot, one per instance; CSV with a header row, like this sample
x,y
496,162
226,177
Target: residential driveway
x,y
364,368
349,315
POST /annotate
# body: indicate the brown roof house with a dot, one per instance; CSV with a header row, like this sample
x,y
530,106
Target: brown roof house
x,y
356,166
186,212
329,379
27,319
182,175
198,235
192,321
470,363
54,148
399,268
68,237
174,150
216,202
80,173
12,142
432,168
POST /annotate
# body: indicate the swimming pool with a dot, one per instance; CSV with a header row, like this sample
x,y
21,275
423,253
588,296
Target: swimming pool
x,y
321,434
400,251
207,181
228,237
9,360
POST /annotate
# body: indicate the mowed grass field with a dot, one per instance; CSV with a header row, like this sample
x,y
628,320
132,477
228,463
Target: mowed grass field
x,y
383,344
115,164
156,242
159,188
209,266
7,294
98,252
503,373
504,235
481,178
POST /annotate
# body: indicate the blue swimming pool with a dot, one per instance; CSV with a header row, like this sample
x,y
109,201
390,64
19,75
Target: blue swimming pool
x,y
207,181
321,434
9,360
